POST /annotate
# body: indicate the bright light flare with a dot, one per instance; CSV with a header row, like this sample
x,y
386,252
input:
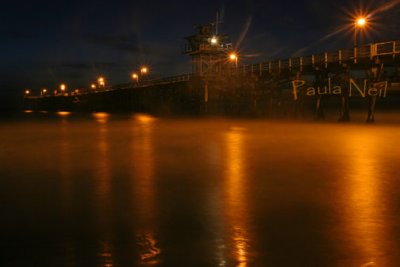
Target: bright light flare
x,y
135,76
144,70
233,56
214,40
63,87
27,92
361,21
101,81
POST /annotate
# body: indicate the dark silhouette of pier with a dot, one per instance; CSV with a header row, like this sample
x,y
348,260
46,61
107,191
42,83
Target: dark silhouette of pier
x,y
220,86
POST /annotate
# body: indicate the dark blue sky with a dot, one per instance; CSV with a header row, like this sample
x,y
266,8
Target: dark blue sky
x,y
44,43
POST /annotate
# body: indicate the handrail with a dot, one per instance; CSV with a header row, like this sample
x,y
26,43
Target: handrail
x,y
345,55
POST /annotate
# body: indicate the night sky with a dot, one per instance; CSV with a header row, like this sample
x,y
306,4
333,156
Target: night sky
x,y
44,43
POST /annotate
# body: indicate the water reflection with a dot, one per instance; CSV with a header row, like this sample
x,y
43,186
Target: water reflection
x,y
142,162
66,170
101,117
236,202
148,249
105,256
125,193
63,113
103,179
103,191
65,166
363,197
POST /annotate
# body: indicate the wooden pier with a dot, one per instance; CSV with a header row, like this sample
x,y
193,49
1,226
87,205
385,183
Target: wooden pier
x,y
220,87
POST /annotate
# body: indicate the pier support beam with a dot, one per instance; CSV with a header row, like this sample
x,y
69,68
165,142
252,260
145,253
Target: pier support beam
x,y
371,109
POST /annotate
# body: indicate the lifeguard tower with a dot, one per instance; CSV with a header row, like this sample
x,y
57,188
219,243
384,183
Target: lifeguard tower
x,y
209,51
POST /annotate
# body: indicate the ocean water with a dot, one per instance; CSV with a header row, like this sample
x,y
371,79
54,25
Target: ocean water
x,y
136,190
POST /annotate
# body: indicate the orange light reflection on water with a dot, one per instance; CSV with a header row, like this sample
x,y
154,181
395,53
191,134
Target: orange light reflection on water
x,y
142,162
101,117
105,255
103,194
236,205
63,113
103,164
363,197
145,119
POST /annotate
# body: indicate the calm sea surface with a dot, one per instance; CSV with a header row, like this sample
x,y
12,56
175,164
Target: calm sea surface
x,y
135,190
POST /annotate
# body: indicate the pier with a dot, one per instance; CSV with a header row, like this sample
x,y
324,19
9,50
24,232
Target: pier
x,y
220,85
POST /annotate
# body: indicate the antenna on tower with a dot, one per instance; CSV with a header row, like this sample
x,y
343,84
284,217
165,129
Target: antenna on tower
x,y
217,21
216,24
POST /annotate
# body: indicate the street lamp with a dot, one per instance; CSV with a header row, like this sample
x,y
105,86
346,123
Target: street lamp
x,y
214,40
93,86
101,81
27,92
144,70
359,23
233,57
135,76
44,91
63,87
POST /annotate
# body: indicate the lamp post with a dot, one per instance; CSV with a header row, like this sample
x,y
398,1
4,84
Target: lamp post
x,y
63,88
101,82
214,40
144,70
359,23
135,76
233,57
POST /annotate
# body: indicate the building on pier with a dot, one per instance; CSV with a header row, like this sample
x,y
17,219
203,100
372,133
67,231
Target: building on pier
x,y
209,51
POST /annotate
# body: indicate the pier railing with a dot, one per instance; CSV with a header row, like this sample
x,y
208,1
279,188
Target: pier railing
x,y
362,53
153,82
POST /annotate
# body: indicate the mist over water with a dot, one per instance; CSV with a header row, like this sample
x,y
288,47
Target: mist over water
x,y
135,190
